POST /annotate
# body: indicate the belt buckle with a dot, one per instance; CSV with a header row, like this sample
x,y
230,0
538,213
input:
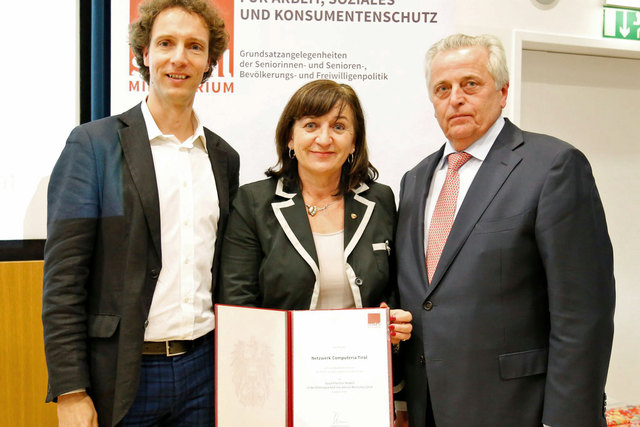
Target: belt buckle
x,y
167,345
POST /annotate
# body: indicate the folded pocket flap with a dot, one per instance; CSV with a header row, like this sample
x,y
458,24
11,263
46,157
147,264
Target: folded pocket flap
x,y
504,224
102,325
523,363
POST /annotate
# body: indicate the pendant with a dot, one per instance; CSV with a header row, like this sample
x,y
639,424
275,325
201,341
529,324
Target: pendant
x,y
313,210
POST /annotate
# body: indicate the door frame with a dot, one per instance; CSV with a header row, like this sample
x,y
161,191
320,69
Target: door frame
x,y
526,40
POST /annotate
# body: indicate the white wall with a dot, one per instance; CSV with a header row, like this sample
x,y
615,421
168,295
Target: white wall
x,y
574,17
39,108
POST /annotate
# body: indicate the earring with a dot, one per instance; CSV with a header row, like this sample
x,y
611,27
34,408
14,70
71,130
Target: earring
x,y
350,158
292,154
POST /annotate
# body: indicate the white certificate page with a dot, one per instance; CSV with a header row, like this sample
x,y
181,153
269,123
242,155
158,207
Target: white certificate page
x,y
341,368
251,367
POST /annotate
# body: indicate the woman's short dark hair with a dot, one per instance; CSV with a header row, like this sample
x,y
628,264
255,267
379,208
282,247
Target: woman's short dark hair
x,y
140,30
317,98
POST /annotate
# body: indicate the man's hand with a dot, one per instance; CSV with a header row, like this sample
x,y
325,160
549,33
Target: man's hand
x,y
76,410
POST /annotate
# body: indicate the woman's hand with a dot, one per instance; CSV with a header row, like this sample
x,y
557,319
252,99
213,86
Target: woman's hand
x,y
400,327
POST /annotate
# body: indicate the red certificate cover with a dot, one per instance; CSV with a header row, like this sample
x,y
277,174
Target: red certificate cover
x,y
303,368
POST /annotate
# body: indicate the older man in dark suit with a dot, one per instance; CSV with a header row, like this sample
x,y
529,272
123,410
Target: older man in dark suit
x,y
504,261
137,206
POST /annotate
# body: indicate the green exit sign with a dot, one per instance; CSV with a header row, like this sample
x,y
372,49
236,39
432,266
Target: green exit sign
x,y
621,23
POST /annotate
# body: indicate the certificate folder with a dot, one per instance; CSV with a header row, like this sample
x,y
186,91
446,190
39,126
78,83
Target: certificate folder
x,y
303,368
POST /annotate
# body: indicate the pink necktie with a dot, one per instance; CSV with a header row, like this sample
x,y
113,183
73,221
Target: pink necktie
x,y
444,212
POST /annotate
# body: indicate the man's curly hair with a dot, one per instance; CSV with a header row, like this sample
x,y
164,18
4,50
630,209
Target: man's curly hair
x,y
140,30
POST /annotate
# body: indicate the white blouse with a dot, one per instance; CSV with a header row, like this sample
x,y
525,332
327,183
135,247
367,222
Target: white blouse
x,y
334,285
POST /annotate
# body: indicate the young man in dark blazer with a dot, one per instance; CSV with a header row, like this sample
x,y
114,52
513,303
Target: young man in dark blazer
x,y
137,206
513,295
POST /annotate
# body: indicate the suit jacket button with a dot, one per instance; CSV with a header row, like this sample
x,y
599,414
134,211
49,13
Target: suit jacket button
x,y
428,305
358,281
155,273
422,359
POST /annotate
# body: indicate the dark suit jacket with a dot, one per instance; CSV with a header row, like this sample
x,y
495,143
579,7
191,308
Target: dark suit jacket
x,y
269,257
102,257
516,326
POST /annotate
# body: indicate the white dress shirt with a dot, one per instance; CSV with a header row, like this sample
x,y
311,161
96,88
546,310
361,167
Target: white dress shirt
x,y
467,172
182,307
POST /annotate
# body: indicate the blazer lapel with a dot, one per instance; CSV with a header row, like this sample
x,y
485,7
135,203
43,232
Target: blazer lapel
x,y
494,171
218,159
137,153
421,184
357,213
292,216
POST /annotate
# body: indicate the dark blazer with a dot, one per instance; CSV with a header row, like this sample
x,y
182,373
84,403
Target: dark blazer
x,y
102,257
516,326
269,257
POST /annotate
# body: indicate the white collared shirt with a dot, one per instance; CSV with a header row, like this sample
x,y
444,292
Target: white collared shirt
x,y
182,307
467,172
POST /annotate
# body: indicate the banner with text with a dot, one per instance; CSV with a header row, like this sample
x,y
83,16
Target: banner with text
x,y
276,46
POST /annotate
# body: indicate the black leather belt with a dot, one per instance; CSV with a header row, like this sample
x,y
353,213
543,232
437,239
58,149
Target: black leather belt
x,y
171,348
